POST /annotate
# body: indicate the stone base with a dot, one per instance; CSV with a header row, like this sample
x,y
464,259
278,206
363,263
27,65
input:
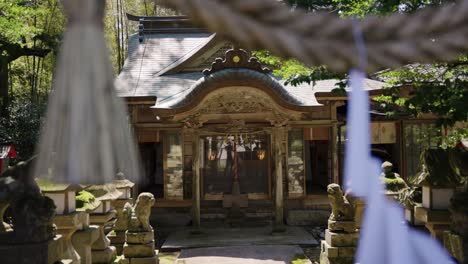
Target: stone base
x,y
143,260
140,237
104,256
341,239
336,255
138,250
345,226
339,260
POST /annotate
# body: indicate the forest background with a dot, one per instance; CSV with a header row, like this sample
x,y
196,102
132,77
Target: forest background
x,y
31,32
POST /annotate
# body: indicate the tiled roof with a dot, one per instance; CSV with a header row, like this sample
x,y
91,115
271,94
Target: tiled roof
x,y
140,75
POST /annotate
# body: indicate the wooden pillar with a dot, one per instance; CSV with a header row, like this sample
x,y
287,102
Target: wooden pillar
x,y
279,156
196,148
334,146
334,154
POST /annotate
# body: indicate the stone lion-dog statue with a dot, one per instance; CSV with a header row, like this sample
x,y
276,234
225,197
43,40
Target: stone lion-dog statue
x,y
342,209
138,215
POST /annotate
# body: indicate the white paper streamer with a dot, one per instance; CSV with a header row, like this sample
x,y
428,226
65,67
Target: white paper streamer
x,y
86,138
385,236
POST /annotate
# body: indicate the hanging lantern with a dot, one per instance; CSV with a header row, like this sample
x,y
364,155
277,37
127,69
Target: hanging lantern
x,y
212,155
211,152
261,154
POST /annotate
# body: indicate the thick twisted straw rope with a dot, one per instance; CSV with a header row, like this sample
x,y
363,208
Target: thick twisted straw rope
x,y
324,39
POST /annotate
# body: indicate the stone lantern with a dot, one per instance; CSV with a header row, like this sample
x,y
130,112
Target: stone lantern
x,y
63,196
67,219
104,215
124,186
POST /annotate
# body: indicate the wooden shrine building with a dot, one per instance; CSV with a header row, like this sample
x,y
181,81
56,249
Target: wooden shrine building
x,y
206,114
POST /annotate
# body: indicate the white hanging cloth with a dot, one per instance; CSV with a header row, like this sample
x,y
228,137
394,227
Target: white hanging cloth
x,y
86,138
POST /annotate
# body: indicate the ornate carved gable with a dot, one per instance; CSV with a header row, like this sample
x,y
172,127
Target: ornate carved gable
x,y
236,100
238,103
236,58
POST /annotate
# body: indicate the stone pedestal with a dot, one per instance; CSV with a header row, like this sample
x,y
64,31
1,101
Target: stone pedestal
x,y
82,241
436,221
117,237
339,246
342,226
139,248
139,239
67,225
101,250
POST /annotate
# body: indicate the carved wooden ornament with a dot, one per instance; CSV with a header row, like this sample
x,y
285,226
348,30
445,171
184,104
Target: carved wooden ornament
x,y
236,58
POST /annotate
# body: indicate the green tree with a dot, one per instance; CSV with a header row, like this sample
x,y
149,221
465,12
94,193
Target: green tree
x,y
118,28
30,30
439,88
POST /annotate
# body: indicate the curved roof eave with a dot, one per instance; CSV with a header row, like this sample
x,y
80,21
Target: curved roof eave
x,y
233,77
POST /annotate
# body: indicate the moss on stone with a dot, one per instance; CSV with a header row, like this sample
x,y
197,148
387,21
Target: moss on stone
x,y
48,186
394,184
85,200
300,259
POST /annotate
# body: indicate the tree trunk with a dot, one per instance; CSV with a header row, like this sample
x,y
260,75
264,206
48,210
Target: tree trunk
x,y
4,96
117,34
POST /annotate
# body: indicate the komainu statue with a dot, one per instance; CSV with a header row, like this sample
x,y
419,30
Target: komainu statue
x,y
31,217
342,209
139,244
138,215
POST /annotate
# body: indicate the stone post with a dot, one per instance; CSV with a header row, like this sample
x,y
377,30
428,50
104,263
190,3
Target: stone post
x,y
279,133
101,250
67,225
84,238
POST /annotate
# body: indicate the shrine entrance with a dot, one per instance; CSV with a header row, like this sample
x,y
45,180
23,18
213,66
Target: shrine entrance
x,y
245,156
234,153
